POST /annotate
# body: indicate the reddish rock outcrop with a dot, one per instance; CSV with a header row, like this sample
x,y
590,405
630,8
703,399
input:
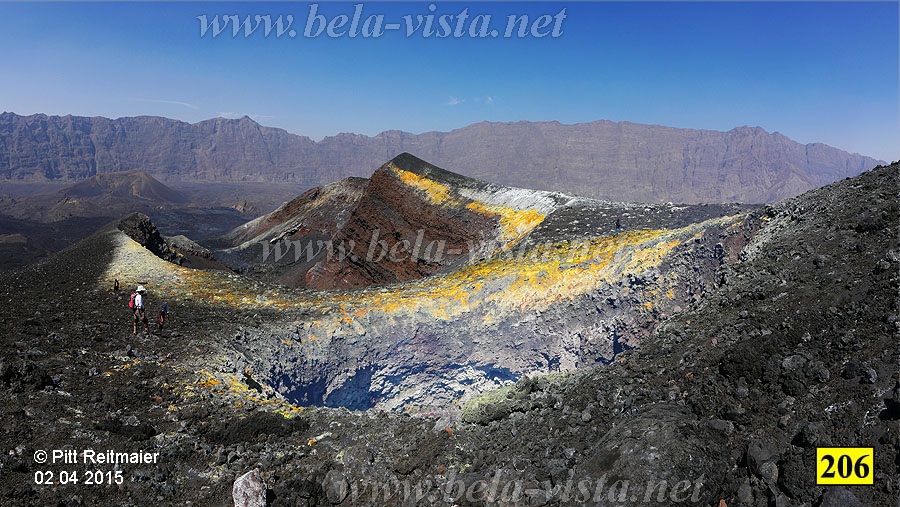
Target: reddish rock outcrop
x,y
399,232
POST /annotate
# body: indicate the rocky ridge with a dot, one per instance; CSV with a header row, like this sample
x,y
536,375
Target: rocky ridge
x,y
412,219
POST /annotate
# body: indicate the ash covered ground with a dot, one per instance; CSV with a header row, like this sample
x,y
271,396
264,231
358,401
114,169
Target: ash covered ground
x,y
792,345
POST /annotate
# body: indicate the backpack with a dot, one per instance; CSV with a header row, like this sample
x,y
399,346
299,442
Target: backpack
x,y
131,301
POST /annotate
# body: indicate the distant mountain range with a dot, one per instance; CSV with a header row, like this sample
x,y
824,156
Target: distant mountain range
x,y
606,160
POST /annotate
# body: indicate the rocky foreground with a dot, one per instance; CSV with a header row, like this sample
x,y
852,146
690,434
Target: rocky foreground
x,y
793,347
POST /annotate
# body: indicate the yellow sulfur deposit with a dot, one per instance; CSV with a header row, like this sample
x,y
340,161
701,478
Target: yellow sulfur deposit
x,y
514,223
434,191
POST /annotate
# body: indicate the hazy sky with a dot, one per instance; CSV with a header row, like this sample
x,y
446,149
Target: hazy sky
x,y
816,72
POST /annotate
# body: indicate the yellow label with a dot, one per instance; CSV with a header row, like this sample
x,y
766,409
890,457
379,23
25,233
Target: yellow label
x,y
845,465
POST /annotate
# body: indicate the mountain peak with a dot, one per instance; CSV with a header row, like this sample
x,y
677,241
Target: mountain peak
x,y
408,163
132,184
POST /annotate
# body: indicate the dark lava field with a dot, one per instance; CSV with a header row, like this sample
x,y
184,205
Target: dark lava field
x,y
698,358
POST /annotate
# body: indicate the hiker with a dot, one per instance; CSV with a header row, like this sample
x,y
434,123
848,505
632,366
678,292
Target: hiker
x,y
137,306
163,315
116,285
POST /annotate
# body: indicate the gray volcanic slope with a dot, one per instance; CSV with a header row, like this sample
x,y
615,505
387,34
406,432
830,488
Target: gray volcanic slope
x,y
790,345
606,160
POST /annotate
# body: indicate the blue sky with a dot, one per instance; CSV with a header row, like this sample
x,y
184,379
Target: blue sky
x,y
816,72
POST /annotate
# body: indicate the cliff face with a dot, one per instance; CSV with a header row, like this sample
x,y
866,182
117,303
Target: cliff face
x,y
41,147
647,163
617,161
